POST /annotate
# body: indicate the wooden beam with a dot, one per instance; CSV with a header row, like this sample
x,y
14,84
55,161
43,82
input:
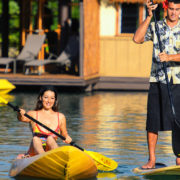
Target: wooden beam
x,y
30,18
23,29
41,31
133,1
5,29
91,38
40,15
165,13
81,45
117,18
141,10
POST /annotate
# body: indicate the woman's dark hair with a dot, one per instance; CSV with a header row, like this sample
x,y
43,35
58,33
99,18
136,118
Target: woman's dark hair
x,y
39,105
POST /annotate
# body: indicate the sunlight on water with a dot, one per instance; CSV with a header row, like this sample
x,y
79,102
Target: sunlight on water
x,y
111,123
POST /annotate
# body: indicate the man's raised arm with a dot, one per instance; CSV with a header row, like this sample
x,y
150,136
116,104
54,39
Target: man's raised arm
x,y
141,31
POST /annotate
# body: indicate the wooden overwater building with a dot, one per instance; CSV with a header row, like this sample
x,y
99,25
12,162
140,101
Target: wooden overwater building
x,y
108,58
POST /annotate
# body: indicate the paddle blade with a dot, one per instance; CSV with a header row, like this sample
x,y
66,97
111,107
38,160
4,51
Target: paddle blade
x,y
3,101
102,163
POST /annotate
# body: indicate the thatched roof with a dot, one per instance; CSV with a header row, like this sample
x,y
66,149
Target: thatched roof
x,y
134,1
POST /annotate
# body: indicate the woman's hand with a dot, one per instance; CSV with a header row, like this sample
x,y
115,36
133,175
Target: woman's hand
x,y
21,114
150,7
67,140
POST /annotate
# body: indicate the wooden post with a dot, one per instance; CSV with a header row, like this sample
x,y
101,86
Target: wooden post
x,y
165,13
141,10
25,21
40,11
81,40
30,19
5,29
22,23
40,30
91,39
117,18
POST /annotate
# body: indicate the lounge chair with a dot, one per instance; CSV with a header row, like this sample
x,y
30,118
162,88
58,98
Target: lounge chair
x,y
29,52
65,58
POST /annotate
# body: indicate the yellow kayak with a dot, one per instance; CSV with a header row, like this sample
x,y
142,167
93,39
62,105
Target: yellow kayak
x,y
66,162
5,86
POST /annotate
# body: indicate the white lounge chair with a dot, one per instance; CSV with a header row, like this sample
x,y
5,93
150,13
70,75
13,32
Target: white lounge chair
x,y
70,52
29,52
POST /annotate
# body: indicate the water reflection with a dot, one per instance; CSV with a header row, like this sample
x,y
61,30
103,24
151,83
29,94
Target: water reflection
x,y
110,115
111,123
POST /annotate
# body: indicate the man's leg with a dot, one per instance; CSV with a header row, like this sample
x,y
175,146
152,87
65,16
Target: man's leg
x,y
152,141
177,161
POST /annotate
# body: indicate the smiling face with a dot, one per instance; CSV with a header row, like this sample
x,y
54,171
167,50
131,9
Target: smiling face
x,y
48,99
173,12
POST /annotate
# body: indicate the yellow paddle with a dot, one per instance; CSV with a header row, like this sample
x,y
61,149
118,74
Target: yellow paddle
x,y
103,163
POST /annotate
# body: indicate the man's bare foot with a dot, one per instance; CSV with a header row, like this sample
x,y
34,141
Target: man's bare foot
x,y
149,165
177,161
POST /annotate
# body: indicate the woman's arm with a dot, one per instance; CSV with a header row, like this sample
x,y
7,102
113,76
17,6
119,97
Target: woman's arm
x,y
64,130
23,118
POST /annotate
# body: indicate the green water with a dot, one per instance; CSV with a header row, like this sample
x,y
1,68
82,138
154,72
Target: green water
x,y
111,123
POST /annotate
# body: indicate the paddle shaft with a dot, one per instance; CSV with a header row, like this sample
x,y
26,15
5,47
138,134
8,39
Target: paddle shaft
x,y
164,67
16,108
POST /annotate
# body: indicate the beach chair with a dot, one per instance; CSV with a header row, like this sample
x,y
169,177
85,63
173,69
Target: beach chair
x,y
64,59
29,52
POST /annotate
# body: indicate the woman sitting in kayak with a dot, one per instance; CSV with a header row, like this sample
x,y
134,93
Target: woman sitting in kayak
x,y
46,112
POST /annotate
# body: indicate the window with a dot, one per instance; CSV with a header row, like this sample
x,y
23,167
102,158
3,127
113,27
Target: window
x,y
129,18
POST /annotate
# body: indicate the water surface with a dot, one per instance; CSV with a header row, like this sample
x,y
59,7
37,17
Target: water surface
x,y
111,123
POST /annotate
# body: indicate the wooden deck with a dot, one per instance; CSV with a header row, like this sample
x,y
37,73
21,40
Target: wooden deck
x,y
122,83
86,84
50,79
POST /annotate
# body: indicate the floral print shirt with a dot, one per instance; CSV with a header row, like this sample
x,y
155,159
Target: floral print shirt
x,y
170,39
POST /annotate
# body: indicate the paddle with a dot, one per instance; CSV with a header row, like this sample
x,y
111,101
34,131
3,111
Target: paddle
x,y
175,123
103,163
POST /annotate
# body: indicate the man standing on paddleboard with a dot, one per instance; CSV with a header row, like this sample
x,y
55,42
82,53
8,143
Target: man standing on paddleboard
x,y
159,112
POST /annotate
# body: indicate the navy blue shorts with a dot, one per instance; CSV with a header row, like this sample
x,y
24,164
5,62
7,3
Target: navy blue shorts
x,y
159,112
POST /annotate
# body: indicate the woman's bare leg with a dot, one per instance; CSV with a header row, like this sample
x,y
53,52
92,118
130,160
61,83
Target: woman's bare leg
x,y
37,145
51,143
